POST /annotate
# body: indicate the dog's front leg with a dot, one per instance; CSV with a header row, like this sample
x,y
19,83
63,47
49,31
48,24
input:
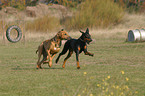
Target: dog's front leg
x,y
50,60
77,58
86,52
48,54
49,57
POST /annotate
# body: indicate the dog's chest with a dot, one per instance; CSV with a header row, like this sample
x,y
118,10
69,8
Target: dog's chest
x,y
54,48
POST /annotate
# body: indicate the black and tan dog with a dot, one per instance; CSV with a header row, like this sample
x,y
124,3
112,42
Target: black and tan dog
x,y
49,48
76,45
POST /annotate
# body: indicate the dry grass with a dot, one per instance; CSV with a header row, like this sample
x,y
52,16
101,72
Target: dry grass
x,y
44,24
95,13
130,22
133,21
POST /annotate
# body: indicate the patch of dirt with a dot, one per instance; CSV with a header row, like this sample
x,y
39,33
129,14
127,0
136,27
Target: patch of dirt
x,y
36,11
51,10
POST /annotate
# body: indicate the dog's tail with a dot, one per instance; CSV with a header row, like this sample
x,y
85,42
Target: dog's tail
x,y
36,51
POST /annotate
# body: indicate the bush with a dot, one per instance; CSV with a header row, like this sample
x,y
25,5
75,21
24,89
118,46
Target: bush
x,y
43,24
95,13
131,5
68,3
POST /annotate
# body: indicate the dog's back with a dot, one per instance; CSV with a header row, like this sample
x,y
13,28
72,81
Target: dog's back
x,y
74,44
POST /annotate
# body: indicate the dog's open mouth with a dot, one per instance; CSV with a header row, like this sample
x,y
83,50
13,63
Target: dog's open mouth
x,y
88,42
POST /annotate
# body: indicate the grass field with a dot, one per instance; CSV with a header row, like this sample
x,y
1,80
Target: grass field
x,y
117,69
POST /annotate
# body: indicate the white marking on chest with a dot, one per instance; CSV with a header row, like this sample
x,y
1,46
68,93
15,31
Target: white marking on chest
x,y
54,48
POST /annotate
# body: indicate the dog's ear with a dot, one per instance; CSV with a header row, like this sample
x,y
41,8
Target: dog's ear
x,y
81,31
58,34
87,30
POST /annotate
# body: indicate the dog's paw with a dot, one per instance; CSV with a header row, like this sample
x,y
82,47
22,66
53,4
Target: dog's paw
x,y
56,61
78,67
92,55
39,67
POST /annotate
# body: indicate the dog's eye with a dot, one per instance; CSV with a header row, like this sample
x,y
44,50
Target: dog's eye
x,y
86,36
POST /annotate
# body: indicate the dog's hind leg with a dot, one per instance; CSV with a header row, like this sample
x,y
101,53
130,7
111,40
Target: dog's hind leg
x,y
68,56
40,52
45,56
65,49
39,64
39,55
77,58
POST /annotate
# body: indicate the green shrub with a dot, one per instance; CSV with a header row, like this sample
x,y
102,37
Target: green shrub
x,y
68,3
44,24
20,4
95,13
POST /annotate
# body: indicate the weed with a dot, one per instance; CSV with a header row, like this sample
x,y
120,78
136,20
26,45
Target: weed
x,y
109,86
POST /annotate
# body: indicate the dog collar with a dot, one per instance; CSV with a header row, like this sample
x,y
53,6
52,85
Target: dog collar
x,y
81,40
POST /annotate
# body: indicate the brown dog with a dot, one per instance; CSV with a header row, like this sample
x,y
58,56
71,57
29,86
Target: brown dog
x,y
49,48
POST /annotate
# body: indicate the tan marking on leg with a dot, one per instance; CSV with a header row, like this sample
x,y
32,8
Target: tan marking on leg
x,y
64,63
78,66
38,66
50,62
68,56
79,48
85,47
48,53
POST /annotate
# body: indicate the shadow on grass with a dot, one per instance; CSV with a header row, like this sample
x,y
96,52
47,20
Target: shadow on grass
x,y
52,68
32,68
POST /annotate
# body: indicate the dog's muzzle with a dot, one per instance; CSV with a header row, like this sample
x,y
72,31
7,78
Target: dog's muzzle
x,y
69,38
88,41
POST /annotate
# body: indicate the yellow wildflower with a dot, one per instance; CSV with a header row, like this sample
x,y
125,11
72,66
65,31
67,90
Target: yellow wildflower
x,y
136,92
91,94
117,87
98,85
126,87
108,77
85,73
107,90
91,77
112,93
105,83
83,91
79,95
127,79
113,86
121,93
122,72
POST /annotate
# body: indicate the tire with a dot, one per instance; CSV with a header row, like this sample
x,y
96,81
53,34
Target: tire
x,y
8,34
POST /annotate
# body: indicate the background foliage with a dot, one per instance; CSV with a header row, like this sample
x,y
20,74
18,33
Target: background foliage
x,y
95,13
